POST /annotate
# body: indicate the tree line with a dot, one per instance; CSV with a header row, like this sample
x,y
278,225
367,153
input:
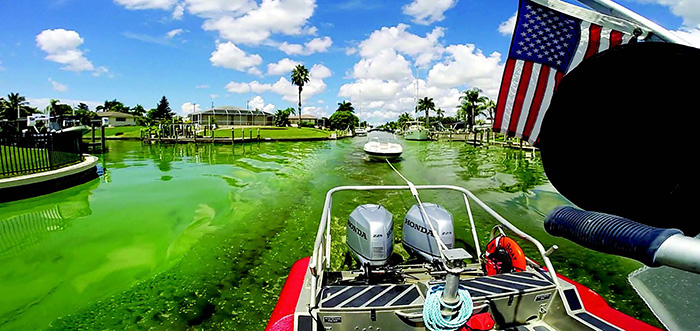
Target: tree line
x,y
472,105
16,106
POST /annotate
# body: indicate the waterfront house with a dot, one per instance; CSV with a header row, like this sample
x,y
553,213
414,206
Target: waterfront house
x,y
226,116
305,118
117,119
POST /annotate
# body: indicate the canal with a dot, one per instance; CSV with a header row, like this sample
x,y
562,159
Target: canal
x,y
202,236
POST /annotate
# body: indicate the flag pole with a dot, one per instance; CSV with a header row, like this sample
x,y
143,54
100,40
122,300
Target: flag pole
x,y
609,7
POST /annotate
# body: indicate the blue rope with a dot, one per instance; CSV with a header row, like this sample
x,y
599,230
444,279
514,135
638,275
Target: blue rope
x,y
432,309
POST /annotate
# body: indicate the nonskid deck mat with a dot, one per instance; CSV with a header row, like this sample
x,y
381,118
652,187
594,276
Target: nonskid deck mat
x,y
358,296
505,284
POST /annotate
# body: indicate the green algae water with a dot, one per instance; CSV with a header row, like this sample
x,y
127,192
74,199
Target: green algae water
x,y
203,236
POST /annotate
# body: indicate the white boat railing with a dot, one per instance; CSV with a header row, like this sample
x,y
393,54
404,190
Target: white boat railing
x,y
322,245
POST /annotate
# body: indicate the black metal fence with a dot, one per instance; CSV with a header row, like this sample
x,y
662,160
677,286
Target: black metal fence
x,y
28,153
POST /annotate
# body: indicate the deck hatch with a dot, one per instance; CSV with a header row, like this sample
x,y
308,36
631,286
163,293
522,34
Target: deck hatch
x,y
494,281
329,291
388,296
572,299
370,296
475,294
596,322
524,280
407,298
336,300
484,287
365,297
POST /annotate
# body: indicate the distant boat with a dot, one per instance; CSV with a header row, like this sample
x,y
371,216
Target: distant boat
x,y
361,131
381,148
60,124
415,131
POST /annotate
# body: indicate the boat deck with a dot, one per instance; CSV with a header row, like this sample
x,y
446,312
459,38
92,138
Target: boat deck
x,y
514,300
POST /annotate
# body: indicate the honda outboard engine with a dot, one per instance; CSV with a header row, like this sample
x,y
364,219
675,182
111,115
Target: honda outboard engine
x,y
369,234
418,238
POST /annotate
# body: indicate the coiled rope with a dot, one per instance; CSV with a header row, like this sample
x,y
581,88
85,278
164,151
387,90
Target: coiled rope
x,y
432,309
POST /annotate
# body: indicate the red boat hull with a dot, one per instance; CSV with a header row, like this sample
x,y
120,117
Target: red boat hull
x,y
282,318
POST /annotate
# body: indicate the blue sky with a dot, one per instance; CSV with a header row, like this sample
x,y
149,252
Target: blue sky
x,y
377,54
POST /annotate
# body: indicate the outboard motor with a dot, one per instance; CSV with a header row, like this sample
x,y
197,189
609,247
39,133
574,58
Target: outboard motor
x,y
369,235
418,238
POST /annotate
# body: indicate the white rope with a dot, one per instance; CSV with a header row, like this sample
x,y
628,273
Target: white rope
x,y
432,309
441,245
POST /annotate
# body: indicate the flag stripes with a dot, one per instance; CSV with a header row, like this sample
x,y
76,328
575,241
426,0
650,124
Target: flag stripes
x,y
528,84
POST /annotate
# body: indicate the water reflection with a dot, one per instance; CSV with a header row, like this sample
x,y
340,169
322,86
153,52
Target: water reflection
x,y
19,231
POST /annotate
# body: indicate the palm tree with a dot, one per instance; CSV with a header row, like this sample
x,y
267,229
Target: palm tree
x,y
440,113
403,118
425,104
488,108
300,76
346,106
471,100
52,107
14,107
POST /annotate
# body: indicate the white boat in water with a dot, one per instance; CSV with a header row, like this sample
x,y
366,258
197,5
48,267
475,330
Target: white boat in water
x,y
383,148
361,131
415,131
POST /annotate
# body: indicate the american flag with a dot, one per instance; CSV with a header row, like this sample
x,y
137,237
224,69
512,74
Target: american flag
x,y
546,45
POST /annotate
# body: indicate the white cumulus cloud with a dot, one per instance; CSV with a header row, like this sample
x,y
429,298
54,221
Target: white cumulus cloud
x,y
428,11
281,67
468,66
188,108
61,47
507,27
688,10
147,4
284,87
58,86
316,45
172,33
287,17
259,103
423,50
228,55
386,65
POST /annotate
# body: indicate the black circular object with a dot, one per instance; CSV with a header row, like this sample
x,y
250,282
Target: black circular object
x,y
620,134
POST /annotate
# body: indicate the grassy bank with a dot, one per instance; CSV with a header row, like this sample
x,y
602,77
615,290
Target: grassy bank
x,y
275,133
130,132
118,132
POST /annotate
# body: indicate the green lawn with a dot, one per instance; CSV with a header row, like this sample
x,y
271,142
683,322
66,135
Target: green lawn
x,y
276,133
122,131
265,132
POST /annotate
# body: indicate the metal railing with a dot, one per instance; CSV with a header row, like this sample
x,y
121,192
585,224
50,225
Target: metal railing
x,y
322,245
29,153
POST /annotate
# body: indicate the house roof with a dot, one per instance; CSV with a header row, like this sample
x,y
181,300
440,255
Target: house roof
x,y
303,116
229,110
113,114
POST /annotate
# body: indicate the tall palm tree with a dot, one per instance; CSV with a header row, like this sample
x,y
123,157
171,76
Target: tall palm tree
x,y
425,104
14,107
346,106
300,76
471,100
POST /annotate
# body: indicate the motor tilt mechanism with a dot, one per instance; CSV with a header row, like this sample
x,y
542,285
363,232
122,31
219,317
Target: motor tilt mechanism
x,y
369,234
418,238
